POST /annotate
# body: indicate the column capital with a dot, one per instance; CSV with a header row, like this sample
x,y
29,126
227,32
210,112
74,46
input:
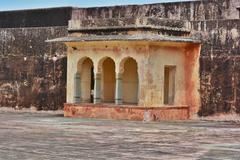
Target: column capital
x,y
77,75
97,76
119,75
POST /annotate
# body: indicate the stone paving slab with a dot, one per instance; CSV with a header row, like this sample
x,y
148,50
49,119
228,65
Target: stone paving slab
x,y
38,136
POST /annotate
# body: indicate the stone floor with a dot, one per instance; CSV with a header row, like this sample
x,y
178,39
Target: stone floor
x,y
41,136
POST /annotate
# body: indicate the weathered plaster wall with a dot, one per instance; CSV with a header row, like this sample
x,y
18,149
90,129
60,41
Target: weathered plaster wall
x,y
219,65
160,57
28,76
27,70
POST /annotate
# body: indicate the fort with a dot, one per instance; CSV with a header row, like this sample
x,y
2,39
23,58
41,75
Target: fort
x,y
159,61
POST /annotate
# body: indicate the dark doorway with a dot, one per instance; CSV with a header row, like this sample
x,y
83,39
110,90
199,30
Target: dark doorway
x,y
92,84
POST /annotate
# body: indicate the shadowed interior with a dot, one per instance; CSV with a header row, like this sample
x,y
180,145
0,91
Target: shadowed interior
x,y
108,80
130,82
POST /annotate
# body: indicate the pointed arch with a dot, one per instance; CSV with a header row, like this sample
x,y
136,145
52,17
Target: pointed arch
x,y
106,67
129,70
85,69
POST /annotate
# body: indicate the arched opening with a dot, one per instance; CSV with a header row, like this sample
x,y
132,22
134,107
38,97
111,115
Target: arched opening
x,y
108,80
130,81
85,70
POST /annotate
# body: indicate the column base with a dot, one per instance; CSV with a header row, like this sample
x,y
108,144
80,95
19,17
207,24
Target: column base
x,y
118,101
97,100
77,99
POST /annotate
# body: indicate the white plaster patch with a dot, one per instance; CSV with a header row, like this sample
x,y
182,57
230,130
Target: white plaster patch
x,y
234,33
223,36
7,36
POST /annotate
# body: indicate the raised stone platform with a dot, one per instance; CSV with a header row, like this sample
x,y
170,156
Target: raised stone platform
x,y
126,112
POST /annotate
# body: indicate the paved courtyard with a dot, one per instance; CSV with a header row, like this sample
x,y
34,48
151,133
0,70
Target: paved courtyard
x,y
50,136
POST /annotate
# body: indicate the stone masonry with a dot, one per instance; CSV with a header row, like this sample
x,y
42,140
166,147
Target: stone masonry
x,y
29,76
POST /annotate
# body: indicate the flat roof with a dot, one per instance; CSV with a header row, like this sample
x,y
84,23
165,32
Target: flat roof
x,y
138,37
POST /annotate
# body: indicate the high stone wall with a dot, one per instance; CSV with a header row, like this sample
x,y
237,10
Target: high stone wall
x,y
219,65
45,17
192,10
27,73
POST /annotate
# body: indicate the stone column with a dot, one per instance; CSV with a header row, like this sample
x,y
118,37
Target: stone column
x,y
97,88
77,88
118,89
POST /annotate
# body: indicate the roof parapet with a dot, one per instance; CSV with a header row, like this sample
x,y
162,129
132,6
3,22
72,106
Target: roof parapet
x,y
128,23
